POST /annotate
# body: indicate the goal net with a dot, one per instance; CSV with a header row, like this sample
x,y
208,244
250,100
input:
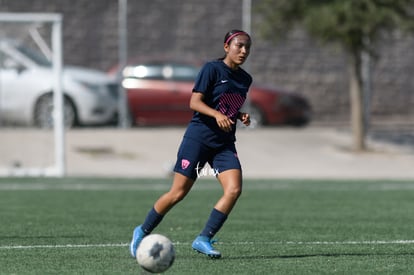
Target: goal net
x,y
27,148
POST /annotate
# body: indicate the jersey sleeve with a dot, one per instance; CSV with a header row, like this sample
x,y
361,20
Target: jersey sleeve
x,y
205,79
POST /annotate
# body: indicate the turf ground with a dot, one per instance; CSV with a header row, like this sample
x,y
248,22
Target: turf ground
x,y
83,226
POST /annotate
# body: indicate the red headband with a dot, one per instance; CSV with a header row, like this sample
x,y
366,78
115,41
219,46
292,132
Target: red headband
x,y
233,35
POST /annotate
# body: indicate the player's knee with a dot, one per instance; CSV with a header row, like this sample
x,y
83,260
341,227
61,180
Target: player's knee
x,y
234,192
177,196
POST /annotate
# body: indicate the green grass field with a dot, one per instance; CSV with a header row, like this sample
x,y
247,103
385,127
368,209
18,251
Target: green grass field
x,y
83,226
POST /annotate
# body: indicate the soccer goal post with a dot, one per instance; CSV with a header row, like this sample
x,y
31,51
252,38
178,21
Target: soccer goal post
x,y
10,24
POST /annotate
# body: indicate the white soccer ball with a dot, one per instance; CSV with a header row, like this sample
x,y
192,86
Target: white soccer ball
x,y
155,253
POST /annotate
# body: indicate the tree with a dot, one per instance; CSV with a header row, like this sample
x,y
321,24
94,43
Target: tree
x,y
356,25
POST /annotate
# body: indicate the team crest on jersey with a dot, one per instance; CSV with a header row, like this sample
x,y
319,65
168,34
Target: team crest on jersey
x,y
185,163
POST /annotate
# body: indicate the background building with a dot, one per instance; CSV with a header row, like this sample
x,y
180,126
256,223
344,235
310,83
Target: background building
x,y
193,29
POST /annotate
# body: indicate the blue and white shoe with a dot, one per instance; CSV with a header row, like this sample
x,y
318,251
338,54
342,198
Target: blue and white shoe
x,y
203,245
137,237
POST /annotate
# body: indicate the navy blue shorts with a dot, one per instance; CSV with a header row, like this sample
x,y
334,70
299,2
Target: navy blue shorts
x,y
193,155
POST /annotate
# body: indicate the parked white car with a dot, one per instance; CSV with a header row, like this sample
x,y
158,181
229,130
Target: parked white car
x,y
26,81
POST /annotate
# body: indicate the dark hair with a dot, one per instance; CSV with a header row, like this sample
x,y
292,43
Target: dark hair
x,y
229,37
233,33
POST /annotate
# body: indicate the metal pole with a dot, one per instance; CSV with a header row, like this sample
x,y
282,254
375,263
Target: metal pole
x,y
123,121
246,25
59,129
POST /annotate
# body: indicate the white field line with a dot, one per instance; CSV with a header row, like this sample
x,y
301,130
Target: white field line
x,y
80,187
409,186
391,242
9,247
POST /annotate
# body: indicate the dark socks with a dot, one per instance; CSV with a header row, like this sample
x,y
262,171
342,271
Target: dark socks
x,y
214,223
151,221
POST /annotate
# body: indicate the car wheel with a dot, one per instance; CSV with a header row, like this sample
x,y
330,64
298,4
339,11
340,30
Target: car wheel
x,y
299,122
43,114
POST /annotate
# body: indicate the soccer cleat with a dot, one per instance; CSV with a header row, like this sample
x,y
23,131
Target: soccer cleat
x,y
137,237
202,244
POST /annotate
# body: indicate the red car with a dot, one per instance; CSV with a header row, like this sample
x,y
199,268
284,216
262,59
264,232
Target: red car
x,y
158,93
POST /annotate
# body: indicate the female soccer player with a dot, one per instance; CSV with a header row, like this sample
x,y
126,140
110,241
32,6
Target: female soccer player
x,y
218,94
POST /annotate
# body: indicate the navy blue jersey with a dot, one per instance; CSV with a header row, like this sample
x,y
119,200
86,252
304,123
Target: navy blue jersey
x,y
225,90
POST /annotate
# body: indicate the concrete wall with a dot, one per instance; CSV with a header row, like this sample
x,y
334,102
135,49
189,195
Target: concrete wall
x,y
194,30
